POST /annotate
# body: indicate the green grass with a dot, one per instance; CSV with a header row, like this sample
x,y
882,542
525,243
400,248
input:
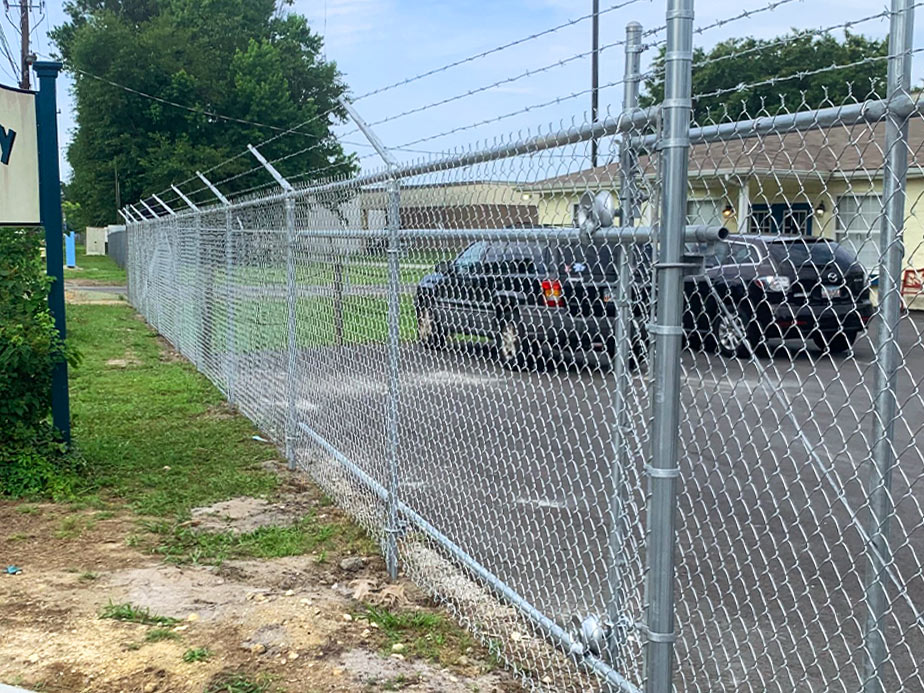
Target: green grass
x,y
160,634
145,432
180,545
235,682
424,634
135,614
88,576
197,654
73,526
96,268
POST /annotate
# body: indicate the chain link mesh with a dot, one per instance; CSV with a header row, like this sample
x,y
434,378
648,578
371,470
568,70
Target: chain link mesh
x,y
465,368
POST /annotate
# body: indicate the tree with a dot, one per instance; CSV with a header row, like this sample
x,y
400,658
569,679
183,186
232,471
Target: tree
x,y
732,80
246,59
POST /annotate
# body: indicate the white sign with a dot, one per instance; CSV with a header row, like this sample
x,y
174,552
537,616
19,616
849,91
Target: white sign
x,y
19,177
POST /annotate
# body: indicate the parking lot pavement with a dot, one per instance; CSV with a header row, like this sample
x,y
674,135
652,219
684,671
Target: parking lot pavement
x,y
517,468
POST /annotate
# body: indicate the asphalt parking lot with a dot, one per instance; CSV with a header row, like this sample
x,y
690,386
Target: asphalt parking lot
x,y
517,467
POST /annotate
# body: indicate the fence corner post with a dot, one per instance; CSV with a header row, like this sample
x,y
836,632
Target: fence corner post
x,y
663,470
891,244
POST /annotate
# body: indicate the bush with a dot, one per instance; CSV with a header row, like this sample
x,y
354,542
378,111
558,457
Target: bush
x,y
32,458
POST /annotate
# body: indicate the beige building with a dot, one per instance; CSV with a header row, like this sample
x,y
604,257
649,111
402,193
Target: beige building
x,y
823,182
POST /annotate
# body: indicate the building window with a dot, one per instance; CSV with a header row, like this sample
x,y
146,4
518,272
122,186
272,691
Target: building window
x,y
858,221
707,212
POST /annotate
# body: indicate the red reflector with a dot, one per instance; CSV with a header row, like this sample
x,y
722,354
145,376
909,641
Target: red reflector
x,y
551,293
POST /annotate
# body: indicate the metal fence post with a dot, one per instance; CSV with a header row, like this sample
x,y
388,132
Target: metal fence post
x,y
892,252
229,300
394,306
663,470
622,338
291,301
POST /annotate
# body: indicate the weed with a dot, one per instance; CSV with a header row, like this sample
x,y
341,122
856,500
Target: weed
x,y
399,682
19,536
135,614
73,526
180,544
159,634
28,509
425,634
132,646
197,654
235,682
104,515
87,576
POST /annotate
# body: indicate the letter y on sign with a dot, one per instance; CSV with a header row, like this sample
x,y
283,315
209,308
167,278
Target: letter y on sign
x,y
7,137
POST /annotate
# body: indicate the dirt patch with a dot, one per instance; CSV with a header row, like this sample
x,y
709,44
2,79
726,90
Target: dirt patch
x,y
75,296
245,514
293,619
167,353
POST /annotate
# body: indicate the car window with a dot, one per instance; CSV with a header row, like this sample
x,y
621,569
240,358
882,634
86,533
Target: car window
x,y
523,258
741,253
713,254
469,258
809,254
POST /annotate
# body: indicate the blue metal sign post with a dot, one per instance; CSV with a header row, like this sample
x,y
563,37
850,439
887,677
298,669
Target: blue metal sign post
x,y
46,115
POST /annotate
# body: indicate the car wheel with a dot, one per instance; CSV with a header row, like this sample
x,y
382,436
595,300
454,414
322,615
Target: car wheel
x,y
731,334
509,342
429,331
835,343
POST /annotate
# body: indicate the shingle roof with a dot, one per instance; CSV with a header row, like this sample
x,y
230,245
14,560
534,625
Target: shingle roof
x,y
822,152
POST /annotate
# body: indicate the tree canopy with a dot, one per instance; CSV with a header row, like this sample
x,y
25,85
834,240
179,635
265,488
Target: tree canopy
x,y
250,60
733,79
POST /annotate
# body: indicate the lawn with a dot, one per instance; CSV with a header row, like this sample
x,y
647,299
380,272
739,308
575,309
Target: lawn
x,y
96,269
151,429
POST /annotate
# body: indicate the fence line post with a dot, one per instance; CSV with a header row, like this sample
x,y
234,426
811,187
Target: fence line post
x,y
900,107
394,307
667,329
619,621
393,222
229,299
291,302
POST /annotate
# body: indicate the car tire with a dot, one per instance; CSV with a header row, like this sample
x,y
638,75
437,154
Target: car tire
x,y
835,343
509,343
732,335
429,332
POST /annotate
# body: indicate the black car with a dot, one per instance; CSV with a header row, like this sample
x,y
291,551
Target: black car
x,y
532,297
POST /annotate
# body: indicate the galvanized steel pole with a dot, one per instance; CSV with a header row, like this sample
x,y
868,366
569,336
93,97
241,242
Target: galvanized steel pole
x,y
620,622
664,468
229,299
291,302
394,305
394,298
892,250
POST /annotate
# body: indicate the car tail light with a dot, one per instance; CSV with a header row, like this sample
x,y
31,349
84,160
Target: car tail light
x,y
551,293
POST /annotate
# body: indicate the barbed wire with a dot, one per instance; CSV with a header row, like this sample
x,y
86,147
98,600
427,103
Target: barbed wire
x,y
521,111
499,83
497,49
745,14
798,75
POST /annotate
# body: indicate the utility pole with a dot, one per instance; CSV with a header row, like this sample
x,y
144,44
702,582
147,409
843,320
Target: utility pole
x,y
24,8
595,79
26,57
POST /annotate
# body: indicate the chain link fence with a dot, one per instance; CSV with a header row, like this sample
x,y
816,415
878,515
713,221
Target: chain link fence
x,y
651,424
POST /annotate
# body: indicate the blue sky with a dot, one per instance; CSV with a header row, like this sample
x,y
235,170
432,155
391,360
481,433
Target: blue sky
x,y
377,42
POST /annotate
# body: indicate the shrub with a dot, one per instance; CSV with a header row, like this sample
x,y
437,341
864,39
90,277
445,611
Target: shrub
x,y
32,459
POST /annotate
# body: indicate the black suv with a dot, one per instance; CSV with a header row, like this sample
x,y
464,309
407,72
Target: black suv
x,y
560,297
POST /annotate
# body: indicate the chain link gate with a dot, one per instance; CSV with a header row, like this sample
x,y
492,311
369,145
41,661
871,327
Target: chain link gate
x,y
544,406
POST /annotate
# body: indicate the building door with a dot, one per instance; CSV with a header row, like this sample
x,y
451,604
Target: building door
x,y
793,219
